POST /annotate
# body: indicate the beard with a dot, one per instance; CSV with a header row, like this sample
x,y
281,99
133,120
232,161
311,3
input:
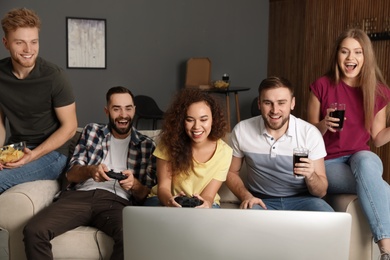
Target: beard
x,y
120,130
274,126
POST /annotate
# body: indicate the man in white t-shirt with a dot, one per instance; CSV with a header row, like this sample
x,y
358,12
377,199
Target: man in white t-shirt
x,y
266,144
95,199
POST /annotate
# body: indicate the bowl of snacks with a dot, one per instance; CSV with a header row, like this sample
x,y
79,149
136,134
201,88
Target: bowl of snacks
x,y
221,84
12,152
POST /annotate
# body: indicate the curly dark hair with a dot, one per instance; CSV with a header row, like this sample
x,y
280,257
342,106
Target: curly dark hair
x,y
173,137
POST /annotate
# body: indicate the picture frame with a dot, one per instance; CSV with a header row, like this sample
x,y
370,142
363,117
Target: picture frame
x,y
86,43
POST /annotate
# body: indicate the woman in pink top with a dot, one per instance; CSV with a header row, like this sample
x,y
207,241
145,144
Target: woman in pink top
x,y
354,78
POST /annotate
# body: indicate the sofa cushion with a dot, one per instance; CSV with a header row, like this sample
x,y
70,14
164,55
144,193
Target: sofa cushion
x,y
83,242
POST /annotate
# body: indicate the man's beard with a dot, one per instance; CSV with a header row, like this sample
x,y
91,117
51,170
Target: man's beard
x,y
274,126
121,131
24,63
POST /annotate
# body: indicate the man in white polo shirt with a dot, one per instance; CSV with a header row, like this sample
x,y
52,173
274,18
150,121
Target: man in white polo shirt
x,y
266,144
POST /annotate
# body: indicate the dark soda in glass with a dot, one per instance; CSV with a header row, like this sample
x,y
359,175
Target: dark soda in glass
x,y
340,115
297,159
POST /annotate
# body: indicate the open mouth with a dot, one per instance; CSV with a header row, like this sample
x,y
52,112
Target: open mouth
x,y
350,66
275,117
27,57
197,133
122,122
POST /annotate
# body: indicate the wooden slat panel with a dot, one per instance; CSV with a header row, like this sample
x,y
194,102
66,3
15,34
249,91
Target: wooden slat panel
x,y
287,41
302,34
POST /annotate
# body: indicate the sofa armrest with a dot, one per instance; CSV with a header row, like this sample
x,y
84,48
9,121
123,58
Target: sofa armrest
x,y
362,245
341,202
25,200
18,204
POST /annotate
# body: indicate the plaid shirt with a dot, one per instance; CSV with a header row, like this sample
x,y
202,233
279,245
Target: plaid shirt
x,y
94,144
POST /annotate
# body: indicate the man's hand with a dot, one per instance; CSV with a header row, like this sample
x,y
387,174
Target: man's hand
x,y
248,203
98,172
128,183
304,168
27,157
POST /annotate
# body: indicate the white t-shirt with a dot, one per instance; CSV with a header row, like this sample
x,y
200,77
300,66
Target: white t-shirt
x,y
115,160
269,161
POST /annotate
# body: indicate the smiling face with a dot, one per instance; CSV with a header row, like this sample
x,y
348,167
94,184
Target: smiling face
x,y
23,45
120,111
198,121
275,105
350,59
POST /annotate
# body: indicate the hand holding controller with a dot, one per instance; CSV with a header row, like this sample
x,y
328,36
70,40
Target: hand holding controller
x,y
116,175
188,202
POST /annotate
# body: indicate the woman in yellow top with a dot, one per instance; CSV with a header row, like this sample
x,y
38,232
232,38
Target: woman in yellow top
x,y
192,159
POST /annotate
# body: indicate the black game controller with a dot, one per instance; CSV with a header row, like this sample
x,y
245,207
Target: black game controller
x,y
116,175
188,202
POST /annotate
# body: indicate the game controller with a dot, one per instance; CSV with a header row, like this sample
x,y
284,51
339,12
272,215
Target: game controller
x,y
116,175
188,202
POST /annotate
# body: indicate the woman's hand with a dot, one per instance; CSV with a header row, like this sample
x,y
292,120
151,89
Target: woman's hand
x,y
205,204
172,202
330,122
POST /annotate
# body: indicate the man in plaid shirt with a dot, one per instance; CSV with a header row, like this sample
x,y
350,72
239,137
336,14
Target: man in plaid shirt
x,y
94,199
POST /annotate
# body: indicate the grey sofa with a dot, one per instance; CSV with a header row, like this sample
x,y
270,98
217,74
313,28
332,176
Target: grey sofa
x,y
20,203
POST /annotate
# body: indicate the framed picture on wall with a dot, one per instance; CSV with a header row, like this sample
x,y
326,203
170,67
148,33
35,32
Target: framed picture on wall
x,y
86,43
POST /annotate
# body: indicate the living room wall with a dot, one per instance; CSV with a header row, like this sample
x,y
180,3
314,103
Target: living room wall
x,y
148,43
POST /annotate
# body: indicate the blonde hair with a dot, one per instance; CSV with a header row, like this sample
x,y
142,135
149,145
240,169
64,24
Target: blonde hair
x,y
370,76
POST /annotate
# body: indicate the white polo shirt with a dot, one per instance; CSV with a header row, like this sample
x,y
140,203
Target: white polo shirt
x,y
269,161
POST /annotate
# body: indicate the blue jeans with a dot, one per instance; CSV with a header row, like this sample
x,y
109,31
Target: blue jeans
x,y
303,203
361,174
48,167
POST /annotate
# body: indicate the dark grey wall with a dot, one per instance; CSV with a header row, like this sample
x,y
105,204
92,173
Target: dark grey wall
x,y
149,41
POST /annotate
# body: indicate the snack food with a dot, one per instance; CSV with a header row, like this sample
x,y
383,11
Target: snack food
x,y
12,153
221,84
